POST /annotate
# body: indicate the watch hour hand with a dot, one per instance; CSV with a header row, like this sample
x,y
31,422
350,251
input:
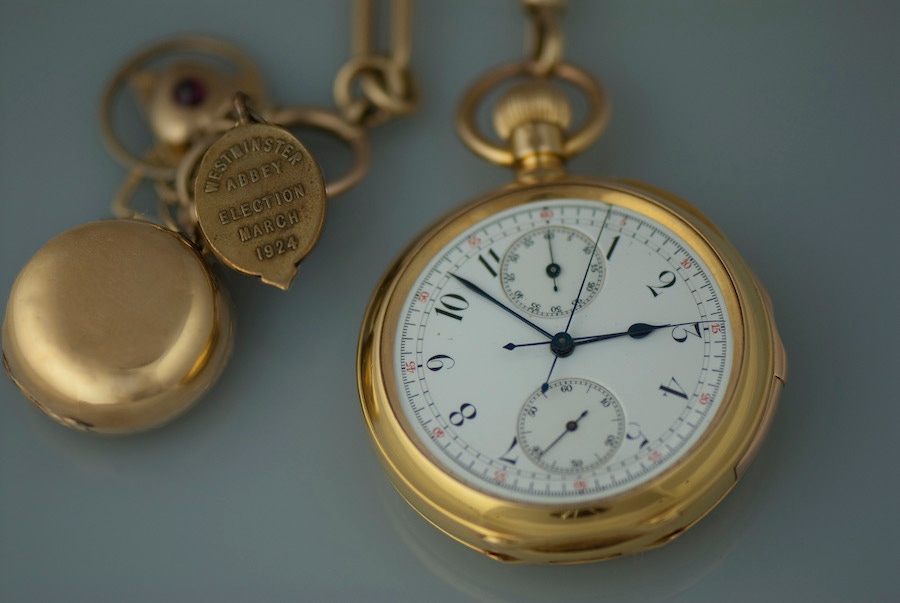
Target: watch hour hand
x,y
638,330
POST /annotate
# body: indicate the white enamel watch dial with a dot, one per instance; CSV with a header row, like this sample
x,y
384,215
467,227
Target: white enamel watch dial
x,y
653,343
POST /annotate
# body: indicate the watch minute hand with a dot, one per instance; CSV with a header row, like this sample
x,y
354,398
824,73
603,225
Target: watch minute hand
x,y
478,290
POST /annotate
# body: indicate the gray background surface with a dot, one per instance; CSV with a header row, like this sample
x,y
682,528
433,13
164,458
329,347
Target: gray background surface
x,y
777,119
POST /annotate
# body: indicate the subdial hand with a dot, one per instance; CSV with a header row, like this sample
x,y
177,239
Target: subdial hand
x,y
553,269
570,426
481,292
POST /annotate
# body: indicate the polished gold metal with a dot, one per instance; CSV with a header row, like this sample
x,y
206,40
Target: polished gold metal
x,y
591,128
173,124
532,101
115,327
352,135
545,63
546,35
532,117
642,518
386,82
260,199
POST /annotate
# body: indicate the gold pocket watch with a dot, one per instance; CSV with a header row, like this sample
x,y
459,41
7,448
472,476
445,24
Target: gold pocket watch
x,y
120,325
568,369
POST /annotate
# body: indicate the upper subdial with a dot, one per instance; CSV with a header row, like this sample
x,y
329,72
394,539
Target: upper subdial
x,y
574,426
543,270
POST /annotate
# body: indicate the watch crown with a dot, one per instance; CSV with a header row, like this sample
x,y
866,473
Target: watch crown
x,y
532,118
531,102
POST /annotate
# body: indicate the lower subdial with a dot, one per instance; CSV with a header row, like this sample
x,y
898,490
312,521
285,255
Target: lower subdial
x,y
574,426
543,271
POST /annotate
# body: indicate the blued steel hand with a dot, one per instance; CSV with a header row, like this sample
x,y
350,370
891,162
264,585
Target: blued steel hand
x,y
638,330
569,347
476,289
553,269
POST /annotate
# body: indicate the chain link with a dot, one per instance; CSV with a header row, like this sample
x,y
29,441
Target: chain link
x,y
545,35
543,61
371,88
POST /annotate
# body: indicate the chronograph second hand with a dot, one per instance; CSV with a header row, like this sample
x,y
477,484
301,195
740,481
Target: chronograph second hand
x,y
562,343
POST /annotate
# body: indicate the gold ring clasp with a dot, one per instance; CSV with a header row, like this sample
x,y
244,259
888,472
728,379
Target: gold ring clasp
x,y
591,128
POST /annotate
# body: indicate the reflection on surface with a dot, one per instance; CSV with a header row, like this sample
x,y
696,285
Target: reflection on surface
x,y
658,574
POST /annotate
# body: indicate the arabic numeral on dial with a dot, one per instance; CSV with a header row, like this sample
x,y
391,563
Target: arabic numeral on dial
x,y
565,388
453,303
666,279
682,332
440,361
465,412
509,277
556,310
610,441
634,433
507,458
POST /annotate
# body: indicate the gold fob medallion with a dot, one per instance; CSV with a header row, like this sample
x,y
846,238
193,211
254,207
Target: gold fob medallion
x,y
260,199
